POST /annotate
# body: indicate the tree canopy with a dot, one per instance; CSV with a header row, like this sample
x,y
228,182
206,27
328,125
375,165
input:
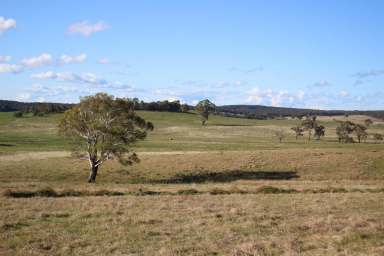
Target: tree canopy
x,y
204,108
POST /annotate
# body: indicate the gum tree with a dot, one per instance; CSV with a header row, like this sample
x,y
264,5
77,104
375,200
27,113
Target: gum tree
x,y
104,128
309,124
204,108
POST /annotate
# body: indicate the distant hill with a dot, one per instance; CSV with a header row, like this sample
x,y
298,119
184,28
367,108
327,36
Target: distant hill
x,y
264,112
244,111
9,105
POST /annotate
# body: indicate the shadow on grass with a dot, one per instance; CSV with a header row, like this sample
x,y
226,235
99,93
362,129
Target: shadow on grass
x,y
229,125
6,145
229,176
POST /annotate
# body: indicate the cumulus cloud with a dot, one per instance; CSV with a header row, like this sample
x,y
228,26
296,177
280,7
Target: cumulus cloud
x,y
67,59
271,97
88,78
84,28
5,58
6,24
10,68
43,59
23,97
85,78
38,61
300,94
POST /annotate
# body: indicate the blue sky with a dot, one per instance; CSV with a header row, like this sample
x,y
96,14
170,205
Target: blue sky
x,y
324,54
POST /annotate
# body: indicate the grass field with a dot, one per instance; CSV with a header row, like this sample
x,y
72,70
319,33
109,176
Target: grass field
x,y
225,189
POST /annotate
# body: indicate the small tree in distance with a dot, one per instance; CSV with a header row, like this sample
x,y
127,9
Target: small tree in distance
x,y
319,131
104,127
280,134
378,137
309,124
360,131
204,108
368,122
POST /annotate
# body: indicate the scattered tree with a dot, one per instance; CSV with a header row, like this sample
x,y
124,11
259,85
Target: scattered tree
x,y
309,124
360,131
204,108
368,122
377,137
298,131
104,127
280,134
343,130
319,131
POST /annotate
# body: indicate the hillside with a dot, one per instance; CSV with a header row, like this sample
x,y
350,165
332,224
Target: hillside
x,y
246,111
263,112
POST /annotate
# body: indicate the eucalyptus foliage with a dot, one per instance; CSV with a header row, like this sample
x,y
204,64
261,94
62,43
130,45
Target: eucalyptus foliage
x,y
104,127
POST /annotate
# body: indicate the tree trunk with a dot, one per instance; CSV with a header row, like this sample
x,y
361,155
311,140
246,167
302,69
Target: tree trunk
x,y
93,174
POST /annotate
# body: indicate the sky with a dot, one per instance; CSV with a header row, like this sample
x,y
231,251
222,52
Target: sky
x,y
324,54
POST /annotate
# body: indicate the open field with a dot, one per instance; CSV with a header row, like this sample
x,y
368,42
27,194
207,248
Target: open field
x,y
225,189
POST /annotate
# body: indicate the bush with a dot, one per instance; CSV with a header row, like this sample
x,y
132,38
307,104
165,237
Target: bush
x,y
18,114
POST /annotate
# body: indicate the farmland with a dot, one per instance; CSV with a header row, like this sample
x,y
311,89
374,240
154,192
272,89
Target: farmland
x,y
229,188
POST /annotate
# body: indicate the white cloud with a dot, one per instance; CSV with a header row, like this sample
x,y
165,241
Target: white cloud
x,y
344,93
40,99
84,28
300,94
23,97
5,58
273,98
104,61
10,68
86,78
255,96
6,24
66,59
45,75
38,61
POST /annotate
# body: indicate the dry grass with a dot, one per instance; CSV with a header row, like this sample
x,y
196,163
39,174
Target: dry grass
x,y
310,224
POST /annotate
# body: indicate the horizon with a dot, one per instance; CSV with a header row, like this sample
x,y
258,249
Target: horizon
x,y
317,55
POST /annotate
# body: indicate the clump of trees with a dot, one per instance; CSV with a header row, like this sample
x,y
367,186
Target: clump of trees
x,y
377,137
346,129
310,125
164,106
360,132
104,127
204,108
